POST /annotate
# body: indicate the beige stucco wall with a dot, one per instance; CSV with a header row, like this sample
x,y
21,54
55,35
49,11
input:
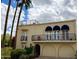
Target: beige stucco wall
x,y
58,49
36,29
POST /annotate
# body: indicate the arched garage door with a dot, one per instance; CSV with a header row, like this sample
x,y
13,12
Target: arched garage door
x,y
66,51
49,51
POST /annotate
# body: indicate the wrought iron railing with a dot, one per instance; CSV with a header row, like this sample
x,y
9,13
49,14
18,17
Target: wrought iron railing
x,y
43,37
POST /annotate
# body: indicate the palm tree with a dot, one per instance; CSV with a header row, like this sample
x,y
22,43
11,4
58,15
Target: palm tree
x,y
14,18
27,5
6,20
13,21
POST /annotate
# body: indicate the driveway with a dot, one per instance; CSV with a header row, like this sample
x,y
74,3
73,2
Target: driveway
x,y
42,57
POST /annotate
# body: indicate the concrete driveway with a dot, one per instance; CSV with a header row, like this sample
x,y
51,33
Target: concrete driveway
x,y
42,57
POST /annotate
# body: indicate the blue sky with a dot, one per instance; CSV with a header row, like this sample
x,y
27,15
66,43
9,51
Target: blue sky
x,y
43,11
13,5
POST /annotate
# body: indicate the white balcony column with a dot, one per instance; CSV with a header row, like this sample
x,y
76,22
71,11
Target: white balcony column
x,y
48,35
66,35
57,33
54,35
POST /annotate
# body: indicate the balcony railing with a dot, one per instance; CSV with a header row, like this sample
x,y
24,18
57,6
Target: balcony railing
x,y
44,37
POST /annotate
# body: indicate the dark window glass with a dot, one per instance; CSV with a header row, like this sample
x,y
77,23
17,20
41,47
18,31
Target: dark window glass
x,y
23,37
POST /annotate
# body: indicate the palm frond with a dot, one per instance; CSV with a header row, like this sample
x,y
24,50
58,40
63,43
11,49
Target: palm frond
x,y
28,4
17,0
19,4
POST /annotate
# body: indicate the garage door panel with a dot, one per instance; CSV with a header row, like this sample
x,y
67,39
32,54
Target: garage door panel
x,y
66,51
49,51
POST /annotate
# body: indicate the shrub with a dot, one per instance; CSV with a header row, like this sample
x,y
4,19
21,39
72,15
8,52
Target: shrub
x,y
29,50
15,54
22,53
23,56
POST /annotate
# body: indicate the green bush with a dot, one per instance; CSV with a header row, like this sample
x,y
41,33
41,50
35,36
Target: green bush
x,y
15,54
23,56
29,50
21,53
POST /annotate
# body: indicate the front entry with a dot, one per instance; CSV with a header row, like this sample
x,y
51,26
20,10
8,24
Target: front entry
x,y
37,50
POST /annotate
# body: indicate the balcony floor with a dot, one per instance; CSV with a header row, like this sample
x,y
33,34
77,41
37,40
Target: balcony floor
x,y
63,41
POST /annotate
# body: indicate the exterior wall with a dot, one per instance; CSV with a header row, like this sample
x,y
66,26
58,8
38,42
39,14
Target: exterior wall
x,y
18,42
35,29
66,50
55,49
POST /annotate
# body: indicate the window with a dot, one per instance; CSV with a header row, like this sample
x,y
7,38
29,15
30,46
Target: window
x,y
56,30
65,29
48,30
24,36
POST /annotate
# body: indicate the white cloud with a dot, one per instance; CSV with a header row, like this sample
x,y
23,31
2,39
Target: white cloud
x,y
10,18
43,11
53,10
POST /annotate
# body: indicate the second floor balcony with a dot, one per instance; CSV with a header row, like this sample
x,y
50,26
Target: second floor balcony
x,y
54,37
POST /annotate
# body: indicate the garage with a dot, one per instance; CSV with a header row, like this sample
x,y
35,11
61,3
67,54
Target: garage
x,y
55,50
66,51
49,51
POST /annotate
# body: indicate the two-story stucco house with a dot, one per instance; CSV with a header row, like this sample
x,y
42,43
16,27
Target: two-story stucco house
x,y
54,39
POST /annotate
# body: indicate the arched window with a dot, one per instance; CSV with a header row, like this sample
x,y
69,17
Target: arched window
x,y
65,29
48,30
56,30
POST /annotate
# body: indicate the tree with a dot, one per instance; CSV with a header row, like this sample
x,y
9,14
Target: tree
x,y
13,20
27,5
6,20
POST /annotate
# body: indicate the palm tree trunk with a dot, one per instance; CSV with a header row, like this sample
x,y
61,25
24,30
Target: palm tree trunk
x,y
6,20
18,23
13,23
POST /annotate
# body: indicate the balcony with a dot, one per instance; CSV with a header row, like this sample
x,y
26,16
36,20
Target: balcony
x,y
70,37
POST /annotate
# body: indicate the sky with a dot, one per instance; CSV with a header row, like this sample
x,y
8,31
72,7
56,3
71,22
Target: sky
x,y
43,11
